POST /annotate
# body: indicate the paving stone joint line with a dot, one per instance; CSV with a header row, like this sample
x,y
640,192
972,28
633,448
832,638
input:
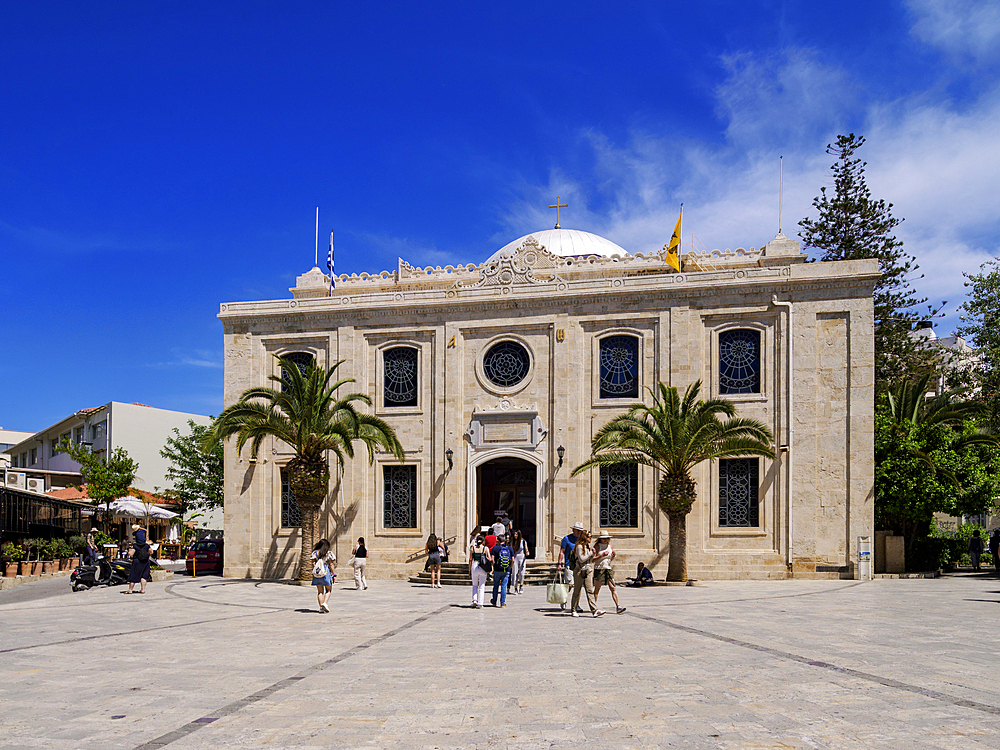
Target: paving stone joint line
x,y
885,681
237,705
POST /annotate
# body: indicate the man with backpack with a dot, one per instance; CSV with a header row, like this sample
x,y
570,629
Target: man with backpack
x,y
503,562
566,562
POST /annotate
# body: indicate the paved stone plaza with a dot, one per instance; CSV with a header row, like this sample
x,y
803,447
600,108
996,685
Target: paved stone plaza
x,y
210,662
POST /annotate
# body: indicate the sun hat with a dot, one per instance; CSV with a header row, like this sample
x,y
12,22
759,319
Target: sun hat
x,y
135,527
578,526
604,535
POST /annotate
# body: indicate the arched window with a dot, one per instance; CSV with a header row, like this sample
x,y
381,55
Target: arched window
x,y
738,502
301,359
620,495
399,376
619,367
739,361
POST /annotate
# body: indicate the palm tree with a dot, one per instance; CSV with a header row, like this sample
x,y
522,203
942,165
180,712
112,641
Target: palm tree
x,y
673,436
305,413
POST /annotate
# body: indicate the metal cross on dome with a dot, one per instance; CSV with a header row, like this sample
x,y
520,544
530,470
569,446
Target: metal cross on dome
x,y
557,206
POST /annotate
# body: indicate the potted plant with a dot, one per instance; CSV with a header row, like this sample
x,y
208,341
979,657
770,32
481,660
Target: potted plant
x,y
63,553
49,551
77,545
13,554
32,567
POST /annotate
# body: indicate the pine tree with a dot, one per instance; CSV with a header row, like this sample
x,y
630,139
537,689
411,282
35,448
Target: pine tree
x,y
981,326
851,226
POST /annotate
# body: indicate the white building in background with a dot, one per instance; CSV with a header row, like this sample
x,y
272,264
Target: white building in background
x,y
8,439
141,430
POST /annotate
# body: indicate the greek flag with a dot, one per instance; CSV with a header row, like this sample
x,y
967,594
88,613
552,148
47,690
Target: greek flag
x,y
329,262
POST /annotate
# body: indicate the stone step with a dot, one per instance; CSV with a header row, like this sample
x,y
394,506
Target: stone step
x,y
536,573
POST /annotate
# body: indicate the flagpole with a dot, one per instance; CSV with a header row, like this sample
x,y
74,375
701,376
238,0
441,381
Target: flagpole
x,y
781,187
330,263
316,256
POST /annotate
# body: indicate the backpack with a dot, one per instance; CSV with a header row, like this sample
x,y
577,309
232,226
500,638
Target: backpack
x,y
319,569
484,561
503,558
143,553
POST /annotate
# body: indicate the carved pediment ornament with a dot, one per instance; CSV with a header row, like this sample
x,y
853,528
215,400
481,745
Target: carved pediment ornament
x,y
520,267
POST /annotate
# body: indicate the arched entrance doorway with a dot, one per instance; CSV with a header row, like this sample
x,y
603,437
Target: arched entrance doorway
x,y
508,485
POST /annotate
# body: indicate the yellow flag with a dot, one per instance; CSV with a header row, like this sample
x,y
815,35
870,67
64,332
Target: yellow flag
x,y
675,245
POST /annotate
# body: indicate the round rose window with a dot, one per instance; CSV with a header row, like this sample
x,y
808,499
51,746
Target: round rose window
x,y
506,364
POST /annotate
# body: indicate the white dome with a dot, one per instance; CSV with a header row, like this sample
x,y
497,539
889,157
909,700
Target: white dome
x,y
565,242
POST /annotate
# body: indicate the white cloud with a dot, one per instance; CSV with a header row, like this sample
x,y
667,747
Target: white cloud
x,y
939,166
195,358
785,98
962,28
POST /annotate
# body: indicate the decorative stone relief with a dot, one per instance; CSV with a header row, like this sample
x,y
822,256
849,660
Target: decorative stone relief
x,y
506,426
518,268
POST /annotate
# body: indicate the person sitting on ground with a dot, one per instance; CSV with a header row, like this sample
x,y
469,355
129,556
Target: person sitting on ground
x,y
643,576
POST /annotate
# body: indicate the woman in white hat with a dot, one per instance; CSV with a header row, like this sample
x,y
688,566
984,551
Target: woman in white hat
x,y
603,572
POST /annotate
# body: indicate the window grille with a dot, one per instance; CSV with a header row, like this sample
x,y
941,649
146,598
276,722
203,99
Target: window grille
x,y
506,364
739,361
620,495
619,367
400,497
739,505
302,360
399,376
291,515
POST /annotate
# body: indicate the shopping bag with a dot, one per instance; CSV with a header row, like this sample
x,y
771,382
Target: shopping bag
x,y
557,592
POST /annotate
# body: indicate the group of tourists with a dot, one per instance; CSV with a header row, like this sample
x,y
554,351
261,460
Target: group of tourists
x,y
499,553
502,555
587,568
324,570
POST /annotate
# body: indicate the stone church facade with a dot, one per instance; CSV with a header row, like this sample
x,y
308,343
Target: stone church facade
x,y
496,375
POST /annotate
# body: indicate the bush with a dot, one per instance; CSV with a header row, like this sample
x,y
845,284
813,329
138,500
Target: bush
x,y
78,543
62,548
965,561
13,552
931,553
986,559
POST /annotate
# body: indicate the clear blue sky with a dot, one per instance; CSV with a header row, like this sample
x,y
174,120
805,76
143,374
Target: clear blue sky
x,y
158,158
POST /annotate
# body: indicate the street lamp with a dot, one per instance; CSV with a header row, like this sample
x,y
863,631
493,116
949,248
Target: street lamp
x,y
562,452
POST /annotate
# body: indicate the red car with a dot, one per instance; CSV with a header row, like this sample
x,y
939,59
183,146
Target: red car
x,y
205,555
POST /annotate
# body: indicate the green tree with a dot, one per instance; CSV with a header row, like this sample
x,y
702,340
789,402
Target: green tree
x,y
107,477
851,225
931,456
674,435
305,413
196,474
981,326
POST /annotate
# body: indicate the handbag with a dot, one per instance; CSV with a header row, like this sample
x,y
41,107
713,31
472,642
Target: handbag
x,y
556,592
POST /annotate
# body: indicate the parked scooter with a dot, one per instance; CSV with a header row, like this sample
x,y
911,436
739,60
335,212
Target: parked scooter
x,y
104,573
